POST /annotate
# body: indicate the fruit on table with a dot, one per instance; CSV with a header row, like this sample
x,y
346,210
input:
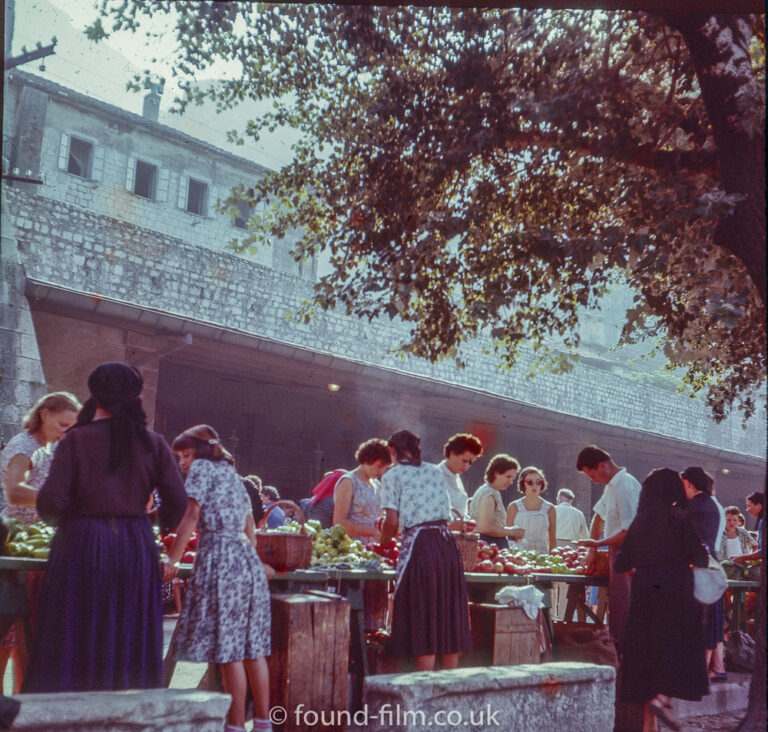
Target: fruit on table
x,y
562,560
165,542
28,540
335,546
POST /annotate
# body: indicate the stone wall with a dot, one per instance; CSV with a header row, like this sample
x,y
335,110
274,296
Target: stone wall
x,y
71,246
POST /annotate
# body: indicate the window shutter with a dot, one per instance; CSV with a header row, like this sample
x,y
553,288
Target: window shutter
x,y
163,177
183,188
63,151
130,173
97,164
213,197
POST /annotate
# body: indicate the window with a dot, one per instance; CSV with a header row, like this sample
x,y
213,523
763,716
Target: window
x,y
145,179
80,157
245,210
197,197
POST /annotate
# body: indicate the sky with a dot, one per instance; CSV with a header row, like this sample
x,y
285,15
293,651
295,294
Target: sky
x,y
102,71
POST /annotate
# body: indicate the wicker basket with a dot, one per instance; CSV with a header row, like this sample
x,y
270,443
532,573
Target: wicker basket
x,y
468,542
282,550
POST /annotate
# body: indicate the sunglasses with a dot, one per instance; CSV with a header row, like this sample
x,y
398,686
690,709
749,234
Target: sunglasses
x,y
537,481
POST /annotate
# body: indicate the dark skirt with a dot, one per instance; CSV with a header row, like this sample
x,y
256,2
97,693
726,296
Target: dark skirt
x,y
714,624
499,541
100,623
430,613
664,637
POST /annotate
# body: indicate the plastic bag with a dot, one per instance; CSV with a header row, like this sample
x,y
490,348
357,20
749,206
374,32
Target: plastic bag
x,y
530,598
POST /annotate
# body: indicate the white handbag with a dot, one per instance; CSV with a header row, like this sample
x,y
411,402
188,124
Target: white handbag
x,y
710,582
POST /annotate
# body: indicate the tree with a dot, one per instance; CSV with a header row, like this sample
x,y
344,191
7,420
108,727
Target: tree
x,y
492,171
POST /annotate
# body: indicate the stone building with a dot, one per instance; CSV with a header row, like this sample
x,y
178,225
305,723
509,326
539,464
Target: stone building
x,y
119,254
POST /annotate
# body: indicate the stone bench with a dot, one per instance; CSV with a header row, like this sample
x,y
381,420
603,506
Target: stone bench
x,y
140,710
563,695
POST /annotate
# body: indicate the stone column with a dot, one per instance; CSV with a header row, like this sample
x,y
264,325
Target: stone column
x,y
22,381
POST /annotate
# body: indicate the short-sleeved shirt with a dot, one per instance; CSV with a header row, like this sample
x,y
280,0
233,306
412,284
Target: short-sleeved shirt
x,y
455,486
618,504
224,502
22,444
570,522
417,493
364,507
498,515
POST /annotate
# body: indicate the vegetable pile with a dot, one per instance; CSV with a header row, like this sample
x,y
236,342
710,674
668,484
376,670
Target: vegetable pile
x,y
30,540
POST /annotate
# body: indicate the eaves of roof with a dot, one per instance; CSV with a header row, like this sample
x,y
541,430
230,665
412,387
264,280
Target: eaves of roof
x,y
109,111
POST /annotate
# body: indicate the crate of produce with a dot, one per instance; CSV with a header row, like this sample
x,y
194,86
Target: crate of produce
x,y
284,550
502,636
468,542
310,650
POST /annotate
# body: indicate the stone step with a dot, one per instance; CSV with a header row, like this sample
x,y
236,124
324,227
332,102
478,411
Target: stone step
x,y
724,696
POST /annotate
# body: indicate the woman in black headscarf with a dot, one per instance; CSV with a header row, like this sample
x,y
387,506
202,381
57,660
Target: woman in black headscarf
x,y
100,617
664,637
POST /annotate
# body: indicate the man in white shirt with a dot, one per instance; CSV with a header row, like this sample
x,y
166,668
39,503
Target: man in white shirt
x,y
460,452
571,524
614,512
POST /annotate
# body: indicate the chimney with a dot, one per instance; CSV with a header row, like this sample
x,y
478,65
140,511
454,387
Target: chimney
x,y
151,109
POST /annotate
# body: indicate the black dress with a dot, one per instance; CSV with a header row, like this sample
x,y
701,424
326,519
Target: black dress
x,y
706,520
100,615
664,640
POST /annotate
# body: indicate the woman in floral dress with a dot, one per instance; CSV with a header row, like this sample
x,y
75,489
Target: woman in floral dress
x,y
226,616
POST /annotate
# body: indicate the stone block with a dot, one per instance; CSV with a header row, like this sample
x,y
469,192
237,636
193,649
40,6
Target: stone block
x,y
536,696
140,710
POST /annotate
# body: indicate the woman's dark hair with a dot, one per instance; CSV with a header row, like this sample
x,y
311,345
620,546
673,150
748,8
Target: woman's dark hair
x,y
500,464
699,478
204,442
407,447
590,457
527,471
758,497
661,488
270,493
116,388
372,451
463,442
57,401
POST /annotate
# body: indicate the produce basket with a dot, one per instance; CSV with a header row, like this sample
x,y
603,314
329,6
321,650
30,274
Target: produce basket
x,y
602,564
468,542
281,549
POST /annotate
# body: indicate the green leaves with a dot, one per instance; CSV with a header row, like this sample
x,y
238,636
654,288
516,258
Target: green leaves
x,y
494,170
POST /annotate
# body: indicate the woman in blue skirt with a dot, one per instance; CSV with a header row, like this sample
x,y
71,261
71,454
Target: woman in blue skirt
x,y
100,615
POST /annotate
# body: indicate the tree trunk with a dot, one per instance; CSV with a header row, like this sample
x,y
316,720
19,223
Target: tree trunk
x,y
719,47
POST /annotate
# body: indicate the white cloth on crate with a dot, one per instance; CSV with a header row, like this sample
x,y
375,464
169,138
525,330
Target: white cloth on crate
x,y
457,495
417,493
618,504
530,598
21,444
536,525
571,523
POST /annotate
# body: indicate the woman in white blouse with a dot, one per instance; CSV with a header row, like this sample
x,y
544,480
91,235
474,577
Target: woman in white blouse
x,y
430,617
735,540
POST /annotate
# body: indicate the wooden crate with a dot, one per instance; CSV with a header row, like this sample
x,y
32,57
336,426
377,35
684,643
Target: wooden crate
x,y
502,636
310,647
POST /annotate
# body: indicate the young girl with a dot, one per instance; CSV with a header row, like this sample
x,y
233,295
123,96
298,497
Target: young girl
x,y
533,513
225,618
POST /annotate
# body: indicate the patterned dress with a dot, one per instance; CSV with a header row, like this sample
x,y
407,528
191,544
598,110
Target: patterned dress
x,y
21,444
226,612
365,507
